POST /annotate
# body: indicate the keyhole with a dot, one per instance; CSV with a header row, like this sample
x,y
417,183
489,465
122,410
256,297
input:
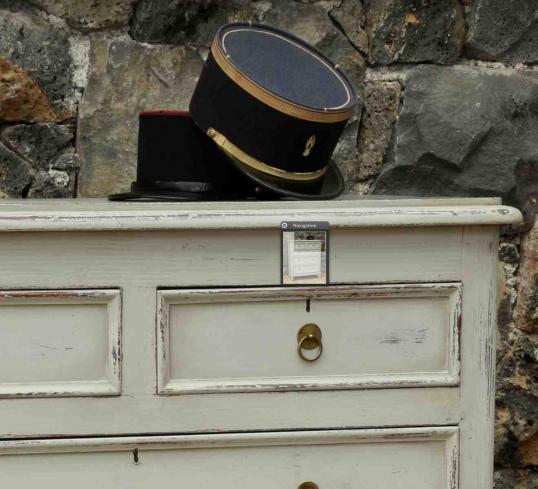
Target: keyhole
x,y
136,459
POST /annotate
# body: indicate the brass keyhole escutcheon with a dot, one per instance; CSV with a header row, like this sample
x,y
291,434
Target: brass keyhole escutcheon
x,y
308,485
309,338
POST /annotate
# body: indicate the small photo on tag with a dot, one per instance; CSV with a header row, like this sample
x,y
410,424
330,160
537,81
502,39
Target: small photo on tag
x,y
304,253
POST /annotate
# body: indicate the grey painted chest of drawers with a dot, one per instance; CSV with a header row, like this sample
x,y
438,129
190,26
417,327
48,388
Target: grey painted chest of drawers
x,y
152,344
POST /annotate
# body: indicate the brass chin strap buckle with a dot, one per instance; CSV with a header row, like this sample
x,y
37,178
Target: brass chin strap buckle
x,y
309,338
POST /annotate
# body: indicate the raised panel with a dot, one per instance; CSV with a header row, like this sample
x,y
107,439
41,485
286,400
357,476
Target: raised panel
x,y
404,458
58,343
226,340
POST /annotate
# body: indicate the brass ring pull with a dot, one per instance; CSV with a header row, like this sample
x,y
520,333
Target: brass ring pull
x,y
301,345
309,338
308,485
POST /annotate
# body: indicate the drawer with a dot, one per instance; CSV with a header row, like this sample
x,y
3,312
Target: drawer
x,y
226,340
60,343
306,269
305,245
406,458
304,264
306,259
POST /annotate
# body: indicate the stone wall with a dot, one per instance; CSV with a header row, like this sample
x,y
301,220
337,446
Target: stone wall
x,y
449,106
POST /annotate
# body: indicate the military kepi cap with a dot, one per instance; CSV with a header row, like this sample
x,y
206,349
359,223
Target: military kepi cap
x,y
276,107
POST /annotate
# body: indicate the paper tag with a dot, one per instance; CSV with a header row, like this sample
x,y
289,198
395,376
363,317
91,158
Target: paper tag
x,y
304,253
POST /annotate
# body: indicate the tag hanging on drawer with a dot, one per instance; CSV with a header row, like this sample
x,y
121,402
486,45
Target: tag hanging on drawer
x,y
304,253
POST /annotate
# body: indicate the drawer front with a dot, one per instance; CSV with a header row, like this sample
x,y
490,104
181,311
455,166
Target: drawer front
x,y
306,259
58,343
423,458
306,268
304,263
225,340
309,245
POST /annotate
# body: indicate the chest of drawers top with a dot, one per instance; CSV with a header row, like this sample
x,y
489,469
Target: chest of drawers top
x,y
99,214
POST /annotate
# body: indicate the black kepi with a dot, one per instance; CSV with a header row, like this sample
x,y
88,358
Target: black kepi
x,y
177,161
276,106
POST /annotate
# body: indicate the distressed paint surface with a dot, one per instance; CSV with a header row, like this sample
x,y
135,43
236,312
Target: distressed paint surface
x,y
421,458
229,440
58,343
381,252
103,215
478,356
224,340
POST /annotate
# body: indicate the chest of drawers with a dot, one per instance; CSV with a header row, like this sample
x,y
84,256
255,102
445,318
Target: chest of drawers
x,y
153,344
304,258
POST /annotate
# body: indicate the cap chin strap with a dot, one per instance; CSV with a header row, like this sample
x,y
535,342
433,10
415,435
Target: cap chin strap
x,y
231,149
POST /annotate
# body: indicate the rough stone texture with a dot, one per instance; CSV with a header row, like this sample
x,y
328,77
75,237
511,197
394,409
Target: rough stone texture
x,y
15,174
503,30
192,21
516,429
517,397
40,160
516,479
21,99
126,78
466,131
507,290
40,143
528,451
526,311
345,154
380,111
52,184
351,19
508,253
89,15
310,22
67,161
414,31
42,49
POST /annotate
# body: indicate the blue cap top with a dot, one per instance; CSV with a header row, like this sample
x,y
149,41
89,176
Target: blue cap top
x,y
286,66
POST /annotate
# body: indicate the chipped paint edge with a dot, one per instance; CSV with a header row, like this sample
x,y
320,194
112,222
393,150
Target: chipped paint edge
x,y
185,218
228,440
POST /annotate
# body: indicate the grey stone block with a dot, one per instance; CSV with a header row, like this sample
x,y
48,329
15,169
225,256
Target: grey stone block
x,y
414,31
466,131
503,30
